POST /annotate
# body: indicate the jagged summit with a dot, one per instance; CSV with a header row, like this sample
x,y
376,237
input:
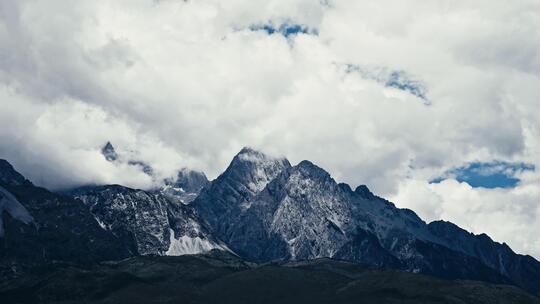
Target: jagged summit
x,y
10,176
254,169
109,152
364,192
308,168
248,154
249,150
345,187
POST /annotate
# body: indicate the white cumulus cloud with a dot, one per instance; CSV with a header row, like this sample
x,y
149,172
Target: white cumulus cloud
x,y
188,83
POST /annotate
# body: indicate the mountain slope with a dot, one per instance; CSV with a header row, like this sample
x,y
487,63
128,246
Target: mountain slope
x,y
48,228
523,270
149,222
222,202
305,214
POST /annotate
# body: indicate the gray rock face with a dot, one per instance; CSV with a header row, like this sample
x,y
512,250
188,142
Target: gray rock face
x,y
302,213
149,223
135,216
226,198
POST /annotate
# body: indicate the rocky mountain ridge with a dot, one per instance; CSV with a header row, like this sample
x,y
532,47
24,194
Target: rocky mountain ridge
x,y
262,209
151,222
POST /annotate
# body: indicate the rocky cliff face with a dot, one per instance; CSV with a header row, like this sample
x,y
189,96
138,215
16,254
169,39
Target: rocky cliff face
x,y
223,201
138,218
149,223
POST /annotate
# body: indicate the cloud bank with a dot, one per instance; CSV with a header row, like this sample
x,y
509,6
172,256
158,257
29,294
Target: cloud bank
x,y
188,83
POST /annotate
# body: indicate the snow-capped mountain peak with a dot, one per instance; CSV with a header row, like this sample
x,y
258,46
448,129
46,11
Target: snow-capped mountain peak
x,y
255,169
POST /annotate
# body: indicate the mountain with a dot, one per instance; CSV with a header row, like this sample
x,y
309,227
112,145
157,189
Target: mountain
x,y
40,227
148,223
264,209
218,277
93,224
261,208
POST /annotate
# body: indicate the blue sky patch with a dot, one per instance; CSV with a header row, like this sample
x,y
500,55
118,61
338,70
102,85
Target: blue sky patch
x,y
285,29
391,79
400,81
491,175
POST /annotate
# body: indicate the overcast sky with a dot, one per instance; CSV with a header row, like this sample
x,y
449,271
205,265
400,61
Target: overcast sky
x,y
392,94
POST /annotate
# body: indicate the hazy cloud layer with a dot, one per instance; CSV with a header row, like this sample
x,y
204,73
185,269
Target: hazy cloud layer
x,y
188,83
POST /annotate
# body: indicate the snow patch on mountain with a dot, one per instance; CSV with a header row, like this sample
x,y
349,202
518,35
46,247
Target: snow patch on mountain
x,y
14,208
189,245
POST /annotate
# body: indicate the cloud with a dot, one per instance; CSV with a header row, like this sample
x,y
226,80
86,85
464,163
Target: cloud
x,y
187,83
510,215
392,79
